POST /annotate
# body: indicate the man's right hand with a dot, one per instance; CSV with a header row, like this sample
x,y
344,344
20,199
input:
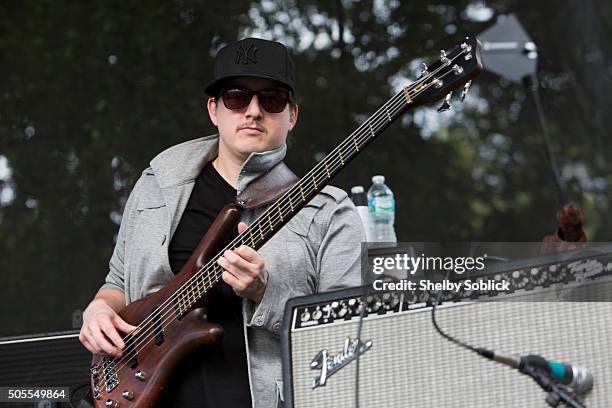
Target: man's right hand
x,y
99,333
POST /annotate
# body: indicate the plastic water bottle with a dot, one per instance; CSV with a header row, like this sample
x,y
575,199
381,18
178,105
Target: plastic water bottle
x,y
382,211
360,200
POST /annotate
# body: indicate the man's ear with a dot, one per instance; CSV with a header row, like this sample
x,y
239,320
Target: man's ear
x,y
293,115
211,105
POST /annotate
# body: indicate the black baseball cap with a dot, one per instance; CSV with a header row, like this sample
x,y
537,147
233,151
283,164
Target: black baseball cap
x,y
253,57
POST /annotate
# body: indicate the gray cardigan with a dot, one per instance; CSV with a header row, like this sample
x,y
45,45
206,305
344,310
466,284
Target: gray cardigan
x,y
318,250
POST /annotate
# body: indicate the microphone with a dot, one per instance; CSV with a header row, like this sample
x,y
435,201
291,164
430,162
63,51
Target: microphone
x,y
578,378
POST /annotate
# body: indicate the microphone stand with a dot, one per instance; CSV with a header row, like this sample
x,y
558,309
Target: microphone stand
x,y
531,83
557,393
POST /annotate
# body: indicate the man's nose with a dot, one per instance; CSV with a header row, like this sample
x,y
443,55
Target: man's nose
x,y
254,110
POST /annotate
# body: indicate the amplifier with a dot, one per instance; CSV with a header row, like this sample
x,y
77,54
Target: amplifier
x,y
360,348
46,360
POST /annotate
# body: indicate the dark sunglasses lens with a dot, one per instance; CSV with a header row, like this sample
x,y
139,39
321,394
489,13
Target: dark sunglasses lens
x,y
273,101
236,98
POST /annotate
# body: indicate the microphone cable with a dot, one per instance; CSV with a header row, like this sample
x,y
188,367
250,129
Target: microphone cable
x,y
479,351
544,380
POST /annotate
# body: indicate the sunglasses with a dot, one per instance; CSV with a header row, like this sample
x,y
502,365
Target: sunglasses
x,y
271,100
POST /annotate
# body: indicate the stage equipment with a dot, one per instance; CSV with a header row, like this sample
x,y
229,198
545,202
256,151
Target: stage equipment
x,y
508,51
46,360
360,348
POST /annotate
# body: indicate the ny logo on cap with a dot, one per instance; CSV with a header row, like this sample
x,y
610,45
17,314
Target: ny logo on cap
x,y
248,55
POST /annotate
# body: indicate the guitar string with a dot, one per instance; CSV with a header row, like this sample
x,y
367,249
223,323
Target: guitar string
x,y
215,278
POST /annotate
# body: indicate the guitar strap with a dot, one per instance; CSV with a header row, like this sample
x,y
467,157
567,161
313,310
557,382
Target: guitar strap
x,y
267,188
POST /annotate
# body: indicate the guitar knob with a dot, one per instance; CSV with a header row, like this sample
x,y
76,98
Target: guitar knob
x,y
128,395
111,404
140,375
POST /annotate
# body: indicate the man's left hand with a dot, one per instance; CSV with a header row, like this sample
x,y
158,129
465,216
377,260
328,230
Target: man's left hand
x,y
244,270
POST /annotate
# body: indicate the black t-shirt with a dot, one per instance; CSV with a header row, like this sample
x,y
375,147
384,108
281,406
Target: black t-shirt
x,y
215,376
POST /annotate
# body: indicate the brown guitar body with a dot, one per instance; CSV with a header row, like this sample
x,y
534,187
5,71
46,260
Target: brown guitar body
x,y
140,382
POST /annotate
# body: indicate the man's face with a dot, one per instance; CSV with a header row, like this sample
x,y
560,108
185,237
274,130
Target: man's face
x,y
251,129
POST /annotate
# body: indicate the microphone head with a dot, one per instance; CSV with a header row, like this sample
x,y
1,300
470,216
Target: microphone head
x,y
582,380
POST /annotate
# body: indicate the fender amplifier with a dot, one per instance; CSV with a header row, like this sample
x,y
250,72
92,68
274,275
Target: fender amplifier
x,y
361,348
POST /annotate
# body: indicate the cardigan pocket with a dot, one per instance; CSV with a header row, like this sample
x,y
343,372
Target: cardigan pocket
x,y
150,206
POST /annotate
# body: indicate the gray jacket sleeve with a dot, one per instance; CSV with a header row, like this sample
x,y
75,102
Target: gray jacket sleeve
x,y
115,279
336,234
338,259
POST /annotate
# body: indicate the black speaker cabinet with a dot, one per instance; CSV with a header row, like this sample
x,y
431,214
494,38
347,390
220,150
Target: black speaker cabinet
x,y
558,310
45,360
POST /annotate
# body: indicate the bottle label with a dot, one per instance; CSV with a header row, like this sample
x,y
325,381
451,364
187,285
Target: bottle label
x,y
382,204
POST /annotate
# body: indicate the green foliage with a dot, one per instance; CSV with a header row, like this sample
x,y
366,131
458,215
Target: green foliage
x,y
89,94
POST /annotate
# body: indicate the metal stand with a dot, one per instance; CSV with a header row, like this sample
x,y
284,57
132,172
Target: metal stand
x,y
557,393
531,83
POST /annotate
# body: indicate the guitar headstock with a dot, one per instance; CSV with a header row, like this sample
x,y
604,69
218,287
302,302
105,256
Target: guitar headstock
x,y
455,68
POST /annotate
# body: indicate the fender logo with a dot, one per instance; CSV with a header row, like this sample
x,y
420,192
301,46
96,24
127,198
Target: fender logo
x,y
330,365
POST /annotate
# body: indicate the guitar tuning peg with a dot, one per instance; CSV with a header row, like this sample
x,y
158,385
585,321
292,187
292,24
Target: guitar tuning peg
x,y
443,58
446,104
424,69
465,90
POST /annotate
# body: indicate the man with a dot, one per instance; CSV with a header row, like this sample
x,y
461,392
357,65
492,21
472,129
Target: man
x,y
173,204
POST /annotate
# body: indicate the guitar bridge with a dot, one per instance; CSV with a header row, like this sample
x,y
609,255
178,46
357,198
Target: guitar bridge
x,y
95,377
109,370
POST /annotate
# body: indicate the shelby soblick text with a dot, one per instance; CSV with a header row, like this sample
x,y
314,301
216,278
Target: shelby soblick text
x,y
446,285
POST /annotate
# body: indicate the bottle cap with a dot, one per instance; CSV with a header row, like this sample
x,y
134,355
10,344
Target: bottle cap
x,y
378,179
358,196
